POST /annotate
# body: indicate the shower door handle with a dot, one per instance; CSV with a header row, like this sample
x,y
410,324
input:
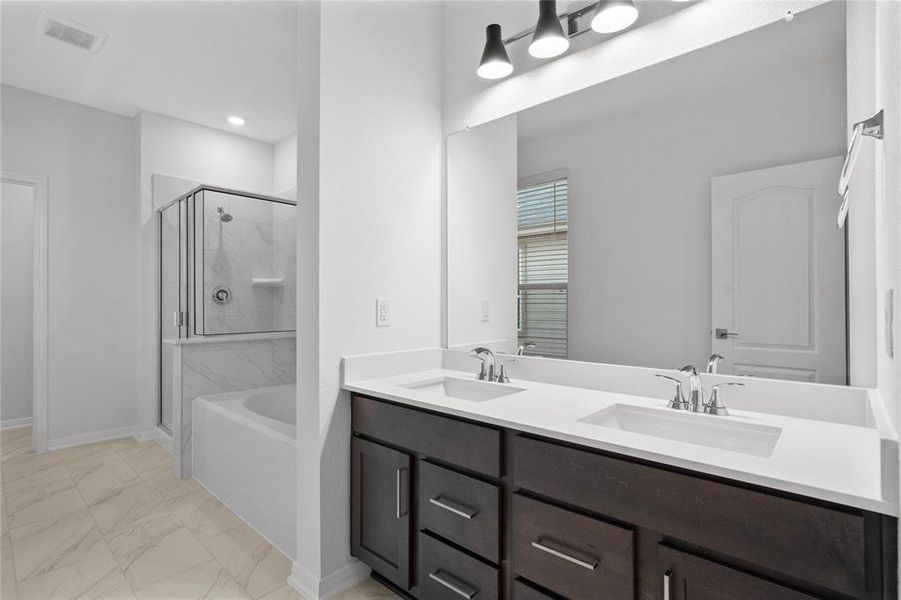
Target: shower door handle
x,y
178,318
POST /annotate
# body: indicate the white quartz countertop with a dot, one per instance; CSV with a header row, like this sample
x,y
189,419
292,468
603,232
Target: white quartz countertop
x,y
821,459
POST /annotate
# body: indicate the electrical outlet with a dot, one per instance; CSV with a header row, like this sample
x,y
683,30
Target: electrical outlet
x,y
382,312
486,311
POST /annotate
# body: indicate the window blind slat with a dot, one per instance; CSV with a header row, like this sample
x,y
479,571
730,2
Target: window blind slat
x,y
543,275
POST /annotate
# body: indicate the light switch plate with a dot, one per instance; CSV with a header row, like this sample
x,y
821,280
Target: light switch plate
x,y
382,312
486,311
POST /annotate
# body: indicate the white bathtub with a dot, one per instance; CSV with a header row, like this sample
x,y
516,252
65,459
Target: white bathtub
x,y
244,446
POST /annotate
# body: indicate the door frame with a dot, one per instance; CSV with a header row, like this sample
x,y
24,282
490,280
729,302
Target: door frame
x,y
40,323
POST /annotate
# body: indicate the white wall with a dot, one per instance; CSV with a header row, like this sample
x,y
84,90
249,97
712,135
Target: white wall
x,y
16,303
481,236
639,203
284,168
88,156
187,151
369,170
874,220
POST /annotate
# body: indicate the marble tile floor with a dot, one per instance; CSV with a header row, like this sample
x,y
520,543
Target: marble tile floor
x,y
111,521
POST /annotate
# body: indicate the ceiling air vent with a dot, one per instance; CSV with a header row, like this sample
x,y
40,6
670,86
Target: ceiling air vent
x,y
70,32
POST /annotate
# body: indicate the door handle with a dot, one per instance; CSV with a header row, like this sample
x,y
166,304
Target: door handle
x,y
724,334
667,583
399,493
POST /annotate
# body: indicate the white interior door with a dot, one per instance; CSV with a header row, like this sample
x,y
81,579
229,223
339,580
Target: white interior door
x,y
779,273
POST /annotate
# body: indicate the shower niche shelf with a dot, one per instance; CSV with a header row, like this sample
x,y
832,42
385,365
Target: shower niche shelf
x,y
267,282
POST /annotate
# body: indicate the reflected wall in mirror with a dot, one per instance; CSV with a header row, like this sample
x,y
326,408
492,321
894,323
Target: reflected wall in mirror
x,y
679,211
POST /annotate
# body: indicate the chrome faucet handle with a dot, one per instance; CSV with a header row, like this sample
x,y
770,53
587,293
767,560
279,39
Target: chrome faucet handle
x,y
714,406
502,375
678,401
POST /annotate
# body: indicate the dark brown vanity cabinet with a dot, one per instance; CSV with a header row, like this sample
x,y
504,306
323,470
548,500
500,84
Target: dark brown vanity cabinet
x,y
448,508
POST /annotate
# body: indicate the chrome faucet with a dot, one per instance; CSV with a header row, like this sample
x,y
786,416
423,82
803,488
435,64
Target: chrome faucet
x,y
486,371
525,346
695,389
714,363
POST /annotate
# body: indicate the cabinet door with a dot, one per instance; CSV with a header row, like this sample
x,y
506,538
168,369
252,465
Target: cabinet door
x,y
380,526
684,576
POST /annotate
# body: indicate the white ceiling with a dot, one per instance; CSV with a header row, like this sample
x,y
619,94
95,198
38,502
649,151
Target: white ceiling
x,y
200,61
815,36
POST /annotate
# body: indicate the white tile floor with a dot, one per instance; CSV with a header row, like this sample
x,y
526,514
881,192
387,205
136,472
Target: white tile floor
x,y
112,521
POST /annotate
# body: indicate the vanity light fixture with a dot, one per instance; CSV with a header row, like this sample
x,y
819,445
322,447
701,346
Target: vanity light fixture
x,y
548,40
611,16
236,120
495,63
551,34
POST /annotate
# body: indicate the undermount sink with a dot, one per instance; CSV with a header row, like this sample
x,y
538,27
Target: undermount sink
x,y
463,389
690,428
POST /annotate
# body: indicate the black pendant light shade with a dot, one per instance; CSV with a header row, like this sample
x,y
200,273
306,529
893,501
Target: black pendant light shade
x,y
548,40
495,63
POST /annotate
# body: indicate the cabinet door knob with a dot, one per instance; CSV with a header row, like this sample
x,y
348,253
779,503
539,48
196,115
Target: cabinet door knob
x,y
545,546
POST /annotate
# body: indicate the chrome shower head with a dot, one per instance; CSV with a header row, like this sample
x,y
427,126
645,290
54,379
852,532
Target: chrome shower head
x,y
224,216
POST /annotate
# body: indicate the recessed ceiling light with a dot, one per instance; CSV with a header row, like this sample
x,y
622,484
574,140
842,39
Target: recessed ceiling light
x,y
236,120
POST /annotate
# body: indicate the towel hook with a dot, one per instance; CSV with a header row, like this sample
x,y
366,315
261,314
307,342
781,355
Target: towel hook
x,y
871,127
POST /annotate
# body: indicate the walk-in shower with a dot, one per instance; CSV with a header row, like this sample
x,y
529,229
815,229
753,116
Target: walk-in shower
x,y
227,267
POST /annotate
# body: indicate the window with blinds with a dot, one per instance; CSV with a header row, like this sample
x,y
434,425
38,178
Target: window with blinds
x,y
542,219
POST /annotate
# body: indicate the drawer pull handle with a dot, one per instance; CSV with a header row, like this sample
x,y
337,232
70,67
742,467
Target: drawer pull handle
x,y
399,493
453,584
589,564
667,584
461,510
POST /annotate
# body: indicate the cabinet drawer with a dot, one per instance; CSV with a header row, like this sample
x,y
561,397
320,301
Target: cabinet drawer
x,y
459,508
448,574
570,554
802,540
684,576
464,444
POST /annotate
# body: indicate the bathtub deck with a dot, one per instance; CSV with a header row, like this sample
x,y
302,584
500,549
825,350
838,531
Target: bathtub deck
x,y
140,531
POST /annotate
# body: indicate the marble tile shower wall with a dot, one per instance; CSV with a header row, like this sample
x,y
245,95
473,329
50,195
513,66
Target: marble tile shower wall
x,y
215,368
259,243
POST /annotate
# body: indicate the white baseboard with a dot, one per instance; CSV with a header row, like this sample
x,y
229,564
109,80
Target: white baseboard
x,y
90,438
15,423
311,587
164,439
148,435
